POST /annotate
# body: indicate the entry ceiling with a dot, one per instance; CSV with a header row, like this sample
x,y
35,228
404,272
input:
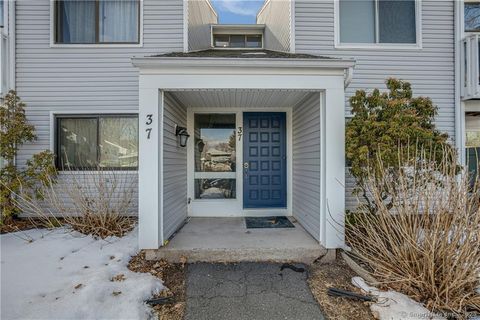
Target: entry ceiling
x,y
234,98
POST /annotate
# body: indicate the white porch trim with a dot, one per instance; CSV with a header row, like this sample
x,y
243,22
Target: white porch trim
x,y
150,168
161,74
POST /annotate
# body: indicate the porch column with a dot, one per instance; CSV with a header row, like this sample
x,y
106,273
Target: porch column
x,y
150,126
333,171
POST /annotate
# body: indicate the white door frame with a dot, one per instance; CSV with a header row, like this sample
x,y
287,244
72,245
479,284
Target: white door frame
x,y
234,207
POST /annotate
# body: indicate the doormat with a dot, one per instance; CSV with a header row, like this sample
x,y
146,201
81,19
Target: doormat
x,y
268,222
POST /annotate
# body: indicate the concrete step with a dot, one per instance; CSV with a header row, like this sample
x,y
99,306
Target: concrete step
x,y
303,255
228,240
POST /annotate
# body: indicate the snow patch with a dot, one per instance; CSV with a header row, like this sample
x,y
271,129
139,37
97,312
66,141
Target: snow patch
x,y
392,305
66,275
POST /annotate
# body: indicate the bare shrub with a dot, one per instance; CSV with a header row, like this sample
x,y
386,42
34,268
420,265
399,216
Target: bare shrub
x,y
427,245
92,202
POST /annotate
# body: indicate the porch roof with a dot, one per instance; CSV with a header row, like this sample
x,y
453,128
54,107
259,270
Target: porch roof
x,y
242,53
241,59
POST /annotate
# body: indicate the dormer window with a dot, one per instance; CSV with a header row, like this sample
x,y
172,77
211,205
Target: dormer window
x,y
253,41
240,36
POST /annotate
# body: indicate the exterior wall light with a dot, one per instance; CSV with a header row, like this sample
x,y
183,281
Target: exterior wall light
x,y
183,134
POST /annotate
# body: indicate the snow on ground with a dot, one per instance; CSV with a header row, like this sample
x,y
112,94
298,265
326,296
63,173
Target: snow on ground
x,y
392,305
66,275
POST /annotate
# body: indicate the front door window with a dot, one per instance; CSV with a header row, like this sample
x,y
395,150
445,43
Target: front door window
x,y
215,156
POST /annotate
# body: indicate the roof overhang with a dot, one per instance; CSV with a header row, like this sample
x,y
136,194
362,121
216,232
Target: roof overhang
x,y
209,65
225,28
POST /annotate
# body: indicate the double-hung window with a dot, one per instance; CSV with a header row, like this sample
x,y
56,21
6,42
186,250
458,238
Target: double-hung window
x,y
97,21
88,142
377,22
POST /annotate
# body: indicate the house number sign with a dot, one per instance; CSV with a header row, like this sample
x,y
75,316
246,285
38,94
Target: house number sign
x,y
149,123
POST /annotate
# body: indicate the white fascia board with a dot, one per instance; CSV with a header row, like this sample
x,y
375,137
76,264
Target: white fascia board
x,y
295,65
257,26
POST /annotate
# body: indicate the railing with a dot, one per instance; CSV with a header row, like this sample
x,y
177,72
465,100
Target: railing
x,y
4,64
470,67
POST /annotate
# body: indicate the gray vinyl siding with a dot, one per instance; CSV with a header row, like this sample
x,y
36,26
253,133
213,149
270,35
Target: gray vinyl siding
x,y
306,164
276,17
101,79
430,69
200,17
174,167
351,200
87,79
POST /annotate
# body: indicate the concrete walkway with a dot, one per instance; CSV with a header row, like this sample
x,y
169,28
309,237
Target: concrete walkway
x,y
248,291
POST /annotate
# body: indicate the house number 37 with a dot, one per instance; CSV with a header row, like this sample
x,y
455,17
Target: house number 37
x,y
149,123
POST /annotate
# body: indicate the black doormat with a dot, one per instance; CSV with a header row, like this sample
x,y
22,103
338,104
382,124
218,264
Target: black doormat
x,y
268,222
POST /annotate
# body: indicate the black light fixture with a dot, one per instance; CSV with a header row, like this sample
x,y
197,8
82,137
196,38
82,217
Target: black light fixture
x,y
183,134
200,145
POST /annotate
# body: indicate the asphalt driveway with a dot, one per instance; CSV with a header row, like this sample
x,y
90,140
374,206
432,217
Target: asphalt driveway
x,y
248,291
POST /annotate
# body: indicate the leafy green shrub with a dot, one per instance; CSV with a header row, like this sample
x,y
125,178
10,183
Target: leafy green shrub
x,y
15,131
382,123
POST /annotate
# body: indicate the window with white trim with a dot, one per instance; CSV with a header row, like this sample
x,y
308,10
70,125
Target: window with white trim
x,y
97,21
89,142
377,22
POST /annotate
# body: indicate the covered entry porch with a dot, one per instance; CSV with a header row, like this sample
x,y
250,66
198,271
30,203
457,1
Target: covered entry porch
x,y
266,138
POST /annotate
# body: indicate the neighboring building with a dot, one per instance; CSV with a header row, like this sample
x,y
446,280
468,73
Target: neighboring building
x,y
109,83
469,85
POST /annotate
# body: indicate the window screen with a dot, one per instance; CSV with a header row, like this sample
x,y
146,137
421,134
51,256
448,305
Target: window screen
x,y
396,21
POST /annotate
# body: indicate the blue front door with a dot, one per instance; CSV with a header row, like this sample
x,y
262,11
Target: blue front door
x,y
264,160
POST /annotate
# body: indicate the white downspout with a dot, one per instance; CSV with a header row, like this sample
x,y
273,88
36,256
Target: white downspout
x,y
11,45
348,76
185,26
459,105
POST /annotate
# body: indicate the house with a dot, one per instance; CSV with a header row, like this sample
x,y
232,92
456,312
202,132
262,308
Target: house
x,y
166,81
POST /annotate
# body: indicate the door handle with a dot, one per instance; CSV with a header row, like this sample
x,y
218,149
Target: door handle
x,y
245,168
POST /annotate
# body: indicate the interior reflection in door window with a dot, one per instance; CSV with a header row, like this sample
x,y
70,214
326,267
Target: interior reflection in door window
x,y
215,157
215,189
215,143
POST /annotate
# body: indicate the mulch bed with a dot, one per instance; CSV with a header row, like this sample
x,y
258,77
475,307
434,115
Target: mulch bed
x,y
16,224
338,275
173,277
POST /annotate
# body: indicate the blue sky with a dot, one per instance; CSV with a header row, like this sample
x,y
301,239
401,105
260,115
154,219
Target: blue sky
x,y
237,11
